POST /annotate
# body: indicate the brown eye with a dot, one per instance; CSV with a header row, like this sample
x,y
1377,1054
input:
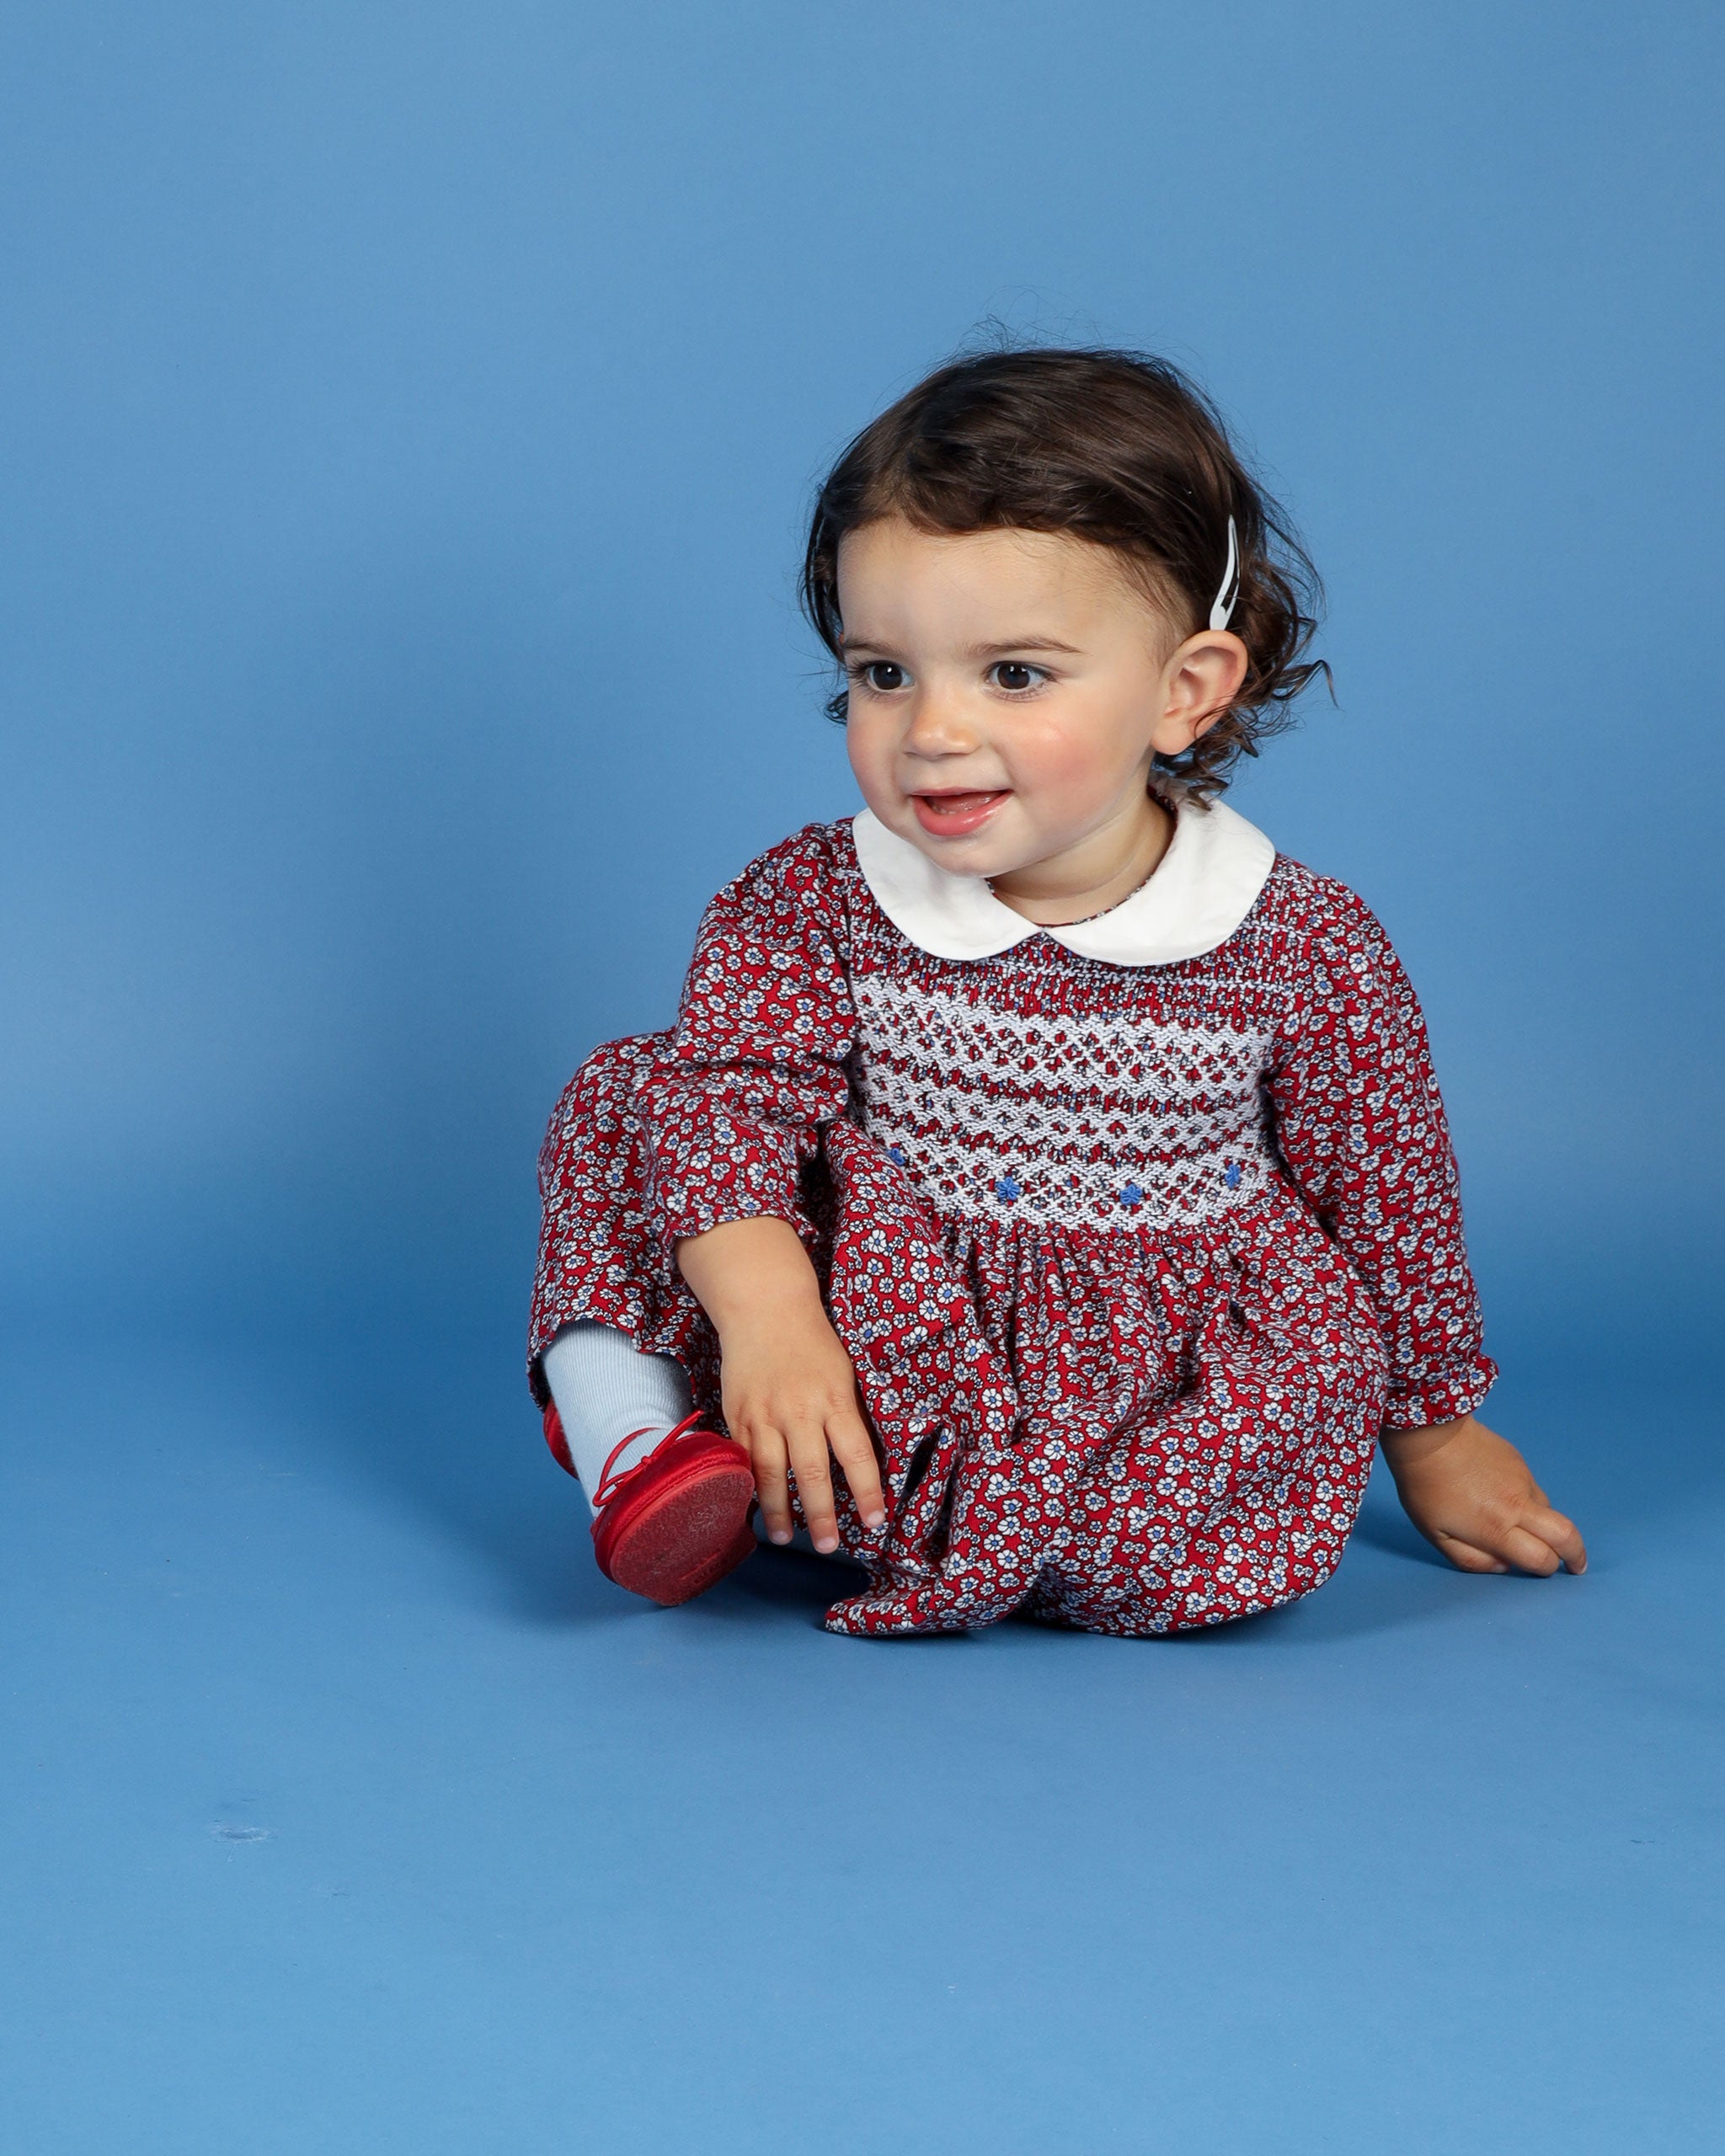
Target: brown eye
x,y
1014,676
884,676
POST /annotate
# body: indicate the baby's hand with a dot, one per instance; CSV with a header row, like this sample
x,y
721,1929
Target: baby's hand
x,y
790,1396
789,1391
1471,1494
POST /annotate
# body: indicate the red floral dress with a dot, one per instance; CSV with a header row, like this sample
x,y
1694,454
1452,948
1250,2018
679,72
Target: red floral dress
x,y
1135,1259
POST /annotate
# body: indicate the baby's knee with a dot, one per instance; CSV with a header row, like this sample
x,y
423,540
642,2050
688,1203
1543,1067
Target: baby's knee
x,y
601,1096
613,1069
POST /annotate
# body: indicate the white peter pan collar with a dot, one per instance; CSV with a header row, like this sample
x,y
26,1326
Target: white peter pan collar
x,y
1203,887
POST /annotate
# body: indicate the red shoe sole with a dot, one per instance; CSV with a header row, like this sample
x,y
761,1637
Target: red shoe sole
x,y
679,1532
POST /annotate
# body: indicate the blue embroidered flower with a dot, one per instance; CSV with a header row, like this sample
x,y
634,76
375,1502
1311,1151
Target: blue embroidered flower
x,y
1006,1190
896,1154
1232,1176
1131,1198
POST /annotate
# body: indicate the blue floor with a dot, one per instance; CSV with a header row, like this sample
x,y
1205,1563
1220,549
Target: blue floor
x,y
349,1810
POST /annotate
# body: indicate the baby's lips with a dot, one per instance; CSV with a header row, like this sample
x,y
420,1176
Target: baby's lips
x,y
956,813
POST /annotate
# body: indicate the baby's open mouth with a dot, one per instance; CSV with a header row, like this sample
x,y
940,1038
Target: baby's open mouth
x,y
952,813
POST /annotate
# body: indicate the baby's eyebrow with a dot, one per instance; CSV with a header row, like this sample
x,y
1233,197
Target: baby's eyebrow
x,y
974,650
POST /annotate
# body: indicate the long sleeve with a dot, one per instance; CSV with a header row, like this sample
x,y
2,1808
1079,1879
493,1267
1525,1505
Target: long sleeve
x,y
1361,1130
734,1105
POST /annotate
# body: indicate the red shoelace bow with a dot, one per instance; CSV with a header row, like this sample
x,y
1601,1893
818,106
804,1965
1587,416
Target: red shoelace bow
x,y
609,1484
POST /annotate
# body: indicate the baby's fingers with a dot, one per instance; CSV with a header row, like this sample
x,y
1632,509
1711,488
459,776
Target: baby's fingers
x,y
1559,1532
854,1450
1465,1557
767,1456
1528,1552
1518,1548
809,1464
1542,1542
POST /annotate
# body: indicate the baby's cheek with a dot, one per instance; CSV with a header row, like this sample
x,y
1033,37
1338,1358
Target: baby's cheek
x,y
1068,780
871,761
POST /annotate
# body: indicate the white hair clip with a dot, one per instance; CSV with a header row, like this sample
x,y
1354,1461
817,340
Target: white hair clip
x,y
1226,598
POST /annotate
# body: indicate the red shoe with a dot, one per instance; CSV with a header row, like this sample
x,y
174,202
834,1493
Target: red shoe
x,y
675,1523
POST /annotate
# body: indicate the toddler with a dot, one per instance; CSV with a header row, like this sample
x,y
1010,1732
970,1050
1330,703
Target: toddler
x,y
1044,1198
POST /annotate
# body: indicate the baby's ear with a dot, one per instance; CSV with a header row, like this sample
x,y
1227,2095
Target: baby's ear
x,y
1174,736
1202,679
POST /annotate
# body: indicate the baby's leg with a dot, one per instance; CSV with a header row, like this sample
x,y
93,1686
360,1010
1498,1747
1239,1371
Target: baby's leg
x,y
602,1257
615,1403
624,1352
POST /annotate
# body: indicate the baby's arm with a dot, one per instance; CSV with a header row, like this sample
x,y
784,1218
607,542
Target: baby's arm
x,y
1471,1495
1362,1130
758,1065
789,1392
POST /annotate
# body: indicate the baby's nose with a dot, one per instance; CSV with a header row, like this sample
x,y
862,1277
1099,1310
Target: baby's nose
x,y
941,725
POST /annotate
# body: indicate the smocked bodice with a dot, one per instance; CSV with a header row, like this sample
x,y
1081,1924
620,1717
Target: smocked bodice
x,y
1005,1105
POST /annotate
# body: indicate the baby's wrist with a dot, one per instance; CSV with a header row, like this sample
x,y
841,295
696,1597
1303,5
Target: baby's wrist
x,y
775,1323
1408,1448
750,1274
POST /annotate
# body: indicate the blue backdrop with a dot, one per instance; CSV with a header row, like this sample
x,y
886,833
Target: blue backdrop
x,y
409,413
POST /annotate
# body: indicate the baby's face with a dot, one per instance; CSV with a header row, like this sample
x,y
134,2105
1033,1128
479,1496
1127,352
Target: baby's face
x,y
1009,691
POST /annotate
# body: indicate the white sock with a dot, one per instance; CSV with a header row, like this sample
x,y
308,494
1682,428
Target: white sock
x,y
605,1387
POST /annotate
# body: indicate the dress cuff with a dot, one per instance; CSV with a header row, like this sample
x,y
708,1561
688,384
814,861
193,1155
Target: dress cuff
x,y
710,1193
1424,1397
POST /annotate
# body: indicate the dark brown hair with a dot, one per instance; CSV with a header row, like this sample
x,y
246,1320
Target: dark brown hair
x,y
1114,447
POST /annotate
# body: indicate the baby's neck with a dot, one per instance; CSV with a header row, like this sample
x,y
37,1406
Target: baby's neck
x,y
1092,878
